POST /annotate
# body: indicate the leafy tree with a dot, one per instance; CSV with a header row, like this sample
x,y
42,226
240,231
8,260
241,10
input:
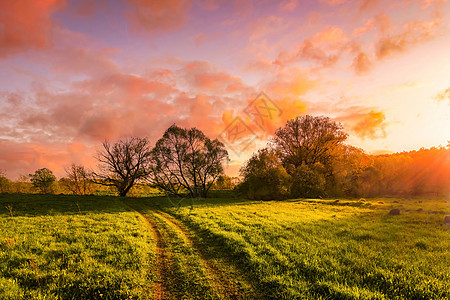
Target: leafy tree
x,y
124,163
224,182
187,160
264,177
307,140
348,164
5,183
43,180
78,180
308,181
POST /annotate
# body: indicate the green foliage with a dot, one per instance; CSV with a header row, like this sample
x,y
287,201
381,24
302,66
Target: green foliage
x,y
224,182
308,182
264,178
5,185
43,180
307,140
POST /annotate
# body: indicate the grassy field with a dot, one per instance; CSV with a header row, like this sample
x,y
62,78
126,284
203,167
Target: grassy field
x,y
68,247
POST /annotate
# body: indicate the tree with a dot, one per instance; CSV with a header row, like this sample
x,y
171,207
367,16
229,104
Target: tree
x,y
123,163
43,179
264,177
308,181
307,140
78,180
5,183
187,160
224,182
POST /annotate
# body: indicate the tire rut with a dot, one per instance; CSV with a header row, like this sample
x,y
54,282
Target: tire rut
x,y
159,290
228,284
218,277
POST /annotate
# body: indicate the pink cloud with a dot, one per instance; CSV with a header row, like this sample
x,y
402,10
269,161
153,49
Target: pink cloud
x,y
200,38
82,60
263,27
324,48
288,5
155,15
411,34
333,2
361,63
22,158
203,77
26,25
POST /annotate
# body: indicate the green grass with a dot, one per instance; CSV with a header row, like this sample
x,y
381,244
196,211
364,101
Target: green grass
x,y
92,247
332,249
68,247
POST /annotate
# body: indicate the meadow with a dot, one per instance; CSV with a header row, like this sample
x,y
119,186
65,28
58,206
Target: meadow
x,y
94,247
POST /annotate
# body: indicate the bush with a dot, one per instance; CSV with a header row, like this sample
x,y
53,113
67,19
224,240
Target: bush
x,y
264,177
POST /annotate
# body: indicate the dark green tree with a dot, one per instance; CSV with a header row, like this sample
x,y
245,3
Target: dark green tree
x,y
43,180
264,177
308,181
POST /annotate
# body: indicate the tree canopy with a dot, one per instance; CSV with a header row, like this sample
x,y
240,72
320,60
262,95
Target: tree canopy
x,y
187,160
43,180
307,140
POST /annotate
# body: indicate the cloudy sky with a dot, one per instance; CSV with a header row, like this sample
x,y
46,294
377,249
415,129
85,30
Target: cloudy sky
x,y
76,72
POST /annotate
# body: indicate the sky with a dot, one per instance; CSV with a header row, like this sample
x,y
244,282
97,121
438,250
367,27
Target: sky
x,y
74,73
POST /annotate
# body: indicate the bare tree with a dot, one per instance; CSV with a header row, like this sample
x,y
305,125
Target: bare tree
x,y
123,163
79,180
186,160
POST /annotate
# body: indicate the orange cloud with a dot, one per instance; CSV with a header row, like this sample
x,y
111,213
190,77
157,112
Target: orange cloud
x,y
380,21
203,77
368,5
361,63
26,25
412,33
288,5
364,123
155,15
332,2
444,95
292,82
324,48
23,158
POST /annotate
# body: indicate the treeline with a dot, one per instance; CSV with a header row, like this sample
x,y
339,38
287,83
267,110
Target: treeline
x,y
307,157
183,161
66,185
